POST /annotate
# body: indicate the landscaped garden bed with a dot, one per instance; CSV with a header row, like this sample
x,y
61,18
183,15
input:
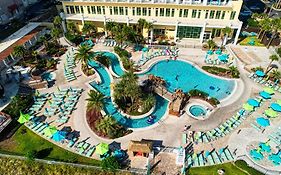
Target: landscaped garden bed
x,y
231,72
204,96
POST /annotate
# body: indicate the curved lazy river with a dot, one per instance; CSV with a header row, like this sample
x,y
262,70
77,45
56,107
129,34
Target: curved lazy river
x,y
178,74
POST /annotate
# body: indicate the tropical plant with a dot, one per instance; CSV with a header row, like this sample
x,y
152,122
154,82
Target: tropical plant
x,y
148,102
234,72
19,51
109,26
141,24
89,28
275,27
226,32
272,58
31,155
211,44
276,75
57,22
110,163
95,101
55,33
265,25
149,27
71,27
83,55
103,59
106,125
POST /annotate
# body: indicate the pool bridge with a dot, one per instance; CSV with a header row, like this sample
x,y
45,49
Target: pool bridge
x,y
163,92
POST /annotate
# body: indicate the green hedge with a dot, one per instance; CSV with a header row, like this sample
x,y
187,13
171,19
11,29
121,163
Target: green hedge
x,y
204,96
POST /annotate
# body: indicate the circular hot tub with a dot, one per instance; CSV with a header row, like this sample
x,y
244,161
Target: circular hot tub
x,y
197,111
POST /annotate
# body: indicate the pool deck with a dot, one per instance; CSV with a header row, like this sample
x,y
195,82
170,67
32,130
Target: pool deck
x,y
169,130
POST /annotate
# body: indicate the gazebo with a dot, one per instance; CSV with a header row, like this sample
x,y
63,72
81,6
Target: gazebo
x,y
140,148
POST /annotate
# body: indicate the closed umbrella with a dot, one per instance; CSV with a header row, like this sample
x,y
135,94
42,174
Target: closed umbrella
x,y
253,102
102,148
23,118
50,131
265,95
275,107
207,153
260,73
59,136
248,107
263,122
270,113
268,90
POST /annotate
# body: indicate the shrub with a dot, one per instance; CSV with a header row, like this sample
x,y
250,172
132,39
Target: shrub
x,y
76,39
124,56
204,96
31,155
110,163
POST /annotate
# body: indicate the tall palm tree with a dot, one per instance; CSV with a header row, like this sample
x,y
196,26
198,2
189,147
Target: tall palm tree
x,y
89,28
57,21
109,27
106,125
234,71
141,23
211,44
272,58
83,55
55,33
226,32
265,25
71,27
275,27
95,101
276,75
130,77
19,51
149,27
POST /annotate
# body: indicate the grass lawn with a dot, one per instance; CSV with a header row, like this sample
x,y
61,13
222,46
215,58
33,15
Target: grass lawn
x,y
229,168
245,42
24,140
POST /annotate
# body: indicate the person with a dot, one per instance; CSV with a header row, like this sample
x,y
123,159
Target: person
x,y
185,127
177,76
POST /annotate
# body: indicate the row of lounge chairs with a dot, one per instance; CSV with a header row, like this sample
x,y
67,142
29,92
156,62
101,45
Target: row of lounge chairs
x,y
39,102
69,66
276,136
113,43
265,81
209,158
164,52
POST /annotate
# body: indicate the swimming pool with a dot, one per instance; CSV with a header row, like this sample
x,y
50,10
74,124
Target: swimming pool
x,y
197,110
180,74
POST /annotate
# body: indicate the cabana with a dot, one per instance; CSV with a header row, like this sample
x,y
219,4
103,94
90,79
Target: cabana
x,y
140,148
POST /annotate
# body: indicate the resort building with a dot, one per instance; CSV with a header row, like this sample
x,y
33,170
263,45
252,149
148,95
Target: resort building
x,y
198,20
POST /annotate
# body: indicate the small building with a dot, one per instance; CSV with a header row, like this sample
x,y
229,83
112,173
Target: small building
x,y
140,148
5,119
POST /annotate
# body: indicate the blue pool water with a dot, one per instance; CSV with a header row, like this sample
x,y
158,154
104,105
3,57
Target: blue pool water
x,y
180,74
197,110
110,109
115,65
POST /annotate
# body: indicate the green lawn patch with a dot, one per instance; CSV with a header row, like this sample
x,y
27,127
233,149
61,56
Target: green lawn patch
x,y
24,141
229,168
247,41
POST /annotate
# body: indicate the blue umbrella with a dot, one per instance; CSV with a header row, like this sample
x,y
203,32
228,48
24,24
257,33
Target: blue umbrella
x,y
265,95
59,136
221,151
260,73
253,102
207,153
209,52
275,107
222,57
263,122
241,112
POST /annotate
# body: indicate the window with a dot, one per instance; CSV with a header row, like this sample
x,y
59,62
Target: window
x,y
121,10
188,32
88,9
156,12
168,11
223,15
94,9
206,14
103,10
194,12
218,14
82,9
134,13
173,13
99,9
199,14
67,10
144,11
180,13
126,10
77,9
115,10
72,11
149,11
232,15
185,13
110,10
162,11
212,14
138,11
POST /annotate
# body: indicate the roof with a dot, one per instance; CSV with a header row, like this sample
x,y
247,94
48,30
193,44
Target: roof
x,y
7,51
140,146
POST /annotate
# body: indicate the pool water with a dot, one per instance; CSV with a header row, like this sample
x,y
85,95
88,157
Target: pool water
x,y
180,74
197,110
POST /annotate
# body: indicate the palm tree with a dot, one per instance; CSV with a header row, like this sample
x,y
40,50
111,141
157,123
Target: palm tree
x,y
265,25
43,39
95,101
276,75
226,32
104,60
234,72
57,21
275,27
130,77
19,51
83,55
35,55
272,58
55,33
149,27
109,27
141,23
106,125
148,102
89,28
71,27
211,44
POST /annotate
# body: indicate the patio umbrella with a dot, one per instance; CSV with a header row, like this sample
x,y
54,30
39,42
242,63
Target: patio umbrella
x,y
265,95
241,112
248,107
114,146
268,90
276,159
222,57
275,107
102,148
260,73
270,113
207,153
50,131
265,147
209,52
253,102
263,122
218,52
23,118
59,136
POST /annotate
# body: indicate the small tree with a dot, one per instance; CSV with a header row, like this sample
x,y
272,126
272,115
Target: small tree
x,y
89,28
57,22
19,51
71,27
110,163
226,32
211,44
272,58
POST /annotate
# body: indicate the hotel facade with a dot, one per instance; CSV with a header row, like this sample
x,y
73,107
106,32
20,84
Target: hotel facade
x,y
196,20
